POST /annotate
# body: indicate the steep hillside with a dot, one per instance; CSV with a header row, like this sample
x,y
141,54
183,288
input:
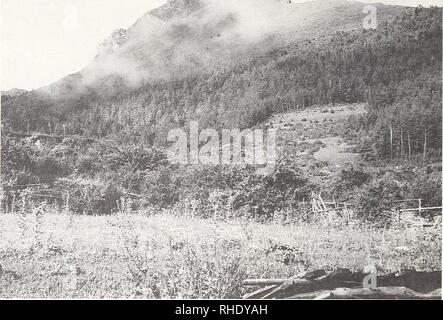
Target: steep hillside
x,y
395,71
224,65
13,92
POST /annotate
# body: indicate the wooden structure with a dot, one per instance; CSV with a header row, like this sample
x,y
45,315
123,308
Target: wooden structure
x,y
345,284
330,207
410,216
400,210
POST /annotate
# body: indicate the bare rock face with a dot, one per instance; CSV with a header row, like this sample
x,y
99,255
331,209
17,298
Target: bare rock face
x,y
172,9
13,92
176,8
111,44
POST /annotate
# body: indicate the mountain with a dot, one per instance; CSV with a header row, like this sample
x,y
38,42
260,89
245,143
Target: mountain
x,y
243,64
13,92
230,63
189,37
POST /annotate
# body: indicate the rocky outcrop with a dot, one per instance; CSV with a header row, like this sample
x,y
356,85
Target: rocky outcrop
x,y
176,8
111,44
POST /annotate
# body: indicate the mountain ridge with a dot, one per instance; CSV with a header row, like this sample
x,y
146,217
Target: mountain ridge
x,y
219,50
204,42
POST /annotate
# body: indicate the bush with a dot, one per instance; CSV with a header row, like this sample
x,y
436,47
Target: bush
x,y
243,191
89,196
87,164
374,200
349,179
47,168
159,188
15,155
136,158
426,185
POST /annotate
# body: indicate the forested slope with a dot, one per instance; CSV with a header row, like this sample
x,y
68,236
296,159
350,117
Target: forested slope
x,y
400,60
396,70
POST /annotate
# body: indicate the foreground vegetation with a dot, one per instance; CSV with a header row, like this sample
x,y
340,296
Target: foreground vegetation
x,y
145,255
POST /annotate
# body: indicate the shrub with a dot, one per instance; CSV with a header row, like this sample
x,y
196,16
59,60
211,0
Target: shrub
x,y
159,187
374,200
86,164
136,158
47,168
15,155
349,179
88,196
427,186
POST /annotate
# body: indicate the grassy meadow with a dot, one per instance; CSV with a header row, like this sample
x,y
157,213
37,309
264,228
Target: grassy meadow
x,y
164,255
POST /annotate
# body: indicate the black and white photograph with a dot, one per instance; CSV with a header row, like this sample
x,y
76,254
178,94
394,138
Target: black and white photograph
x,y
227,150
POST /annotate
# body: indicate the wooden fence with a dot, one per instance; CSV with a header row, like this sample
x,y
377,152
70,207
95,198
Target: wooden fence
x,y
344,209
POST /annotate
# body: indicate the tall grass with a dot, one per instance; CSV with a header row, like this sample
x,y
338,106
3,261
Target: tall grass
x,y
175,255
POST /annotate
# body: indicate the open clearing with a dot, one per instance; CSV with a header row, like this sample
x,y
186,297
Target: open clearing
x,y
311,139
335,152
319,114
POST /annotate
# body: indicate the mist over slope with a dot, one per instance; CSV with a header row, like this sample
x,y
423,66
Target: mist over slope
x,y
189,37
185,37
230,63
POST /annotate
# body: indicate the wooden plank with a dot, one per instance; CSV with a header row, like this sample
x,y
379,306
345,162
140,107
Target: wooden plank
x,y
323,204
308,275
259,294
421,209
406,200
379,293
392,142
343,282
43,196
264,282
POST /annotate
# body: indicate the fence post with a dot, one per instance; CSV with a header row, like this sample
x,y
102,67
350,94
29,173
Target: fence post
x,y
322,202
67,204
13,202
401,144
392,142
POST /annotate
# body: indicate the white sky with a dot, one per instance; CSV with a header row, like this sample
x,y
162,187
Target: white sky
x,y
44,40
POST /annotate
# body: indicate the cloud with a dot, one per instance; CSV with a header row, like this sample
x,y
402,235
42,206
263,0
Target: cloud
x,y
70,20
155,49
254,18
